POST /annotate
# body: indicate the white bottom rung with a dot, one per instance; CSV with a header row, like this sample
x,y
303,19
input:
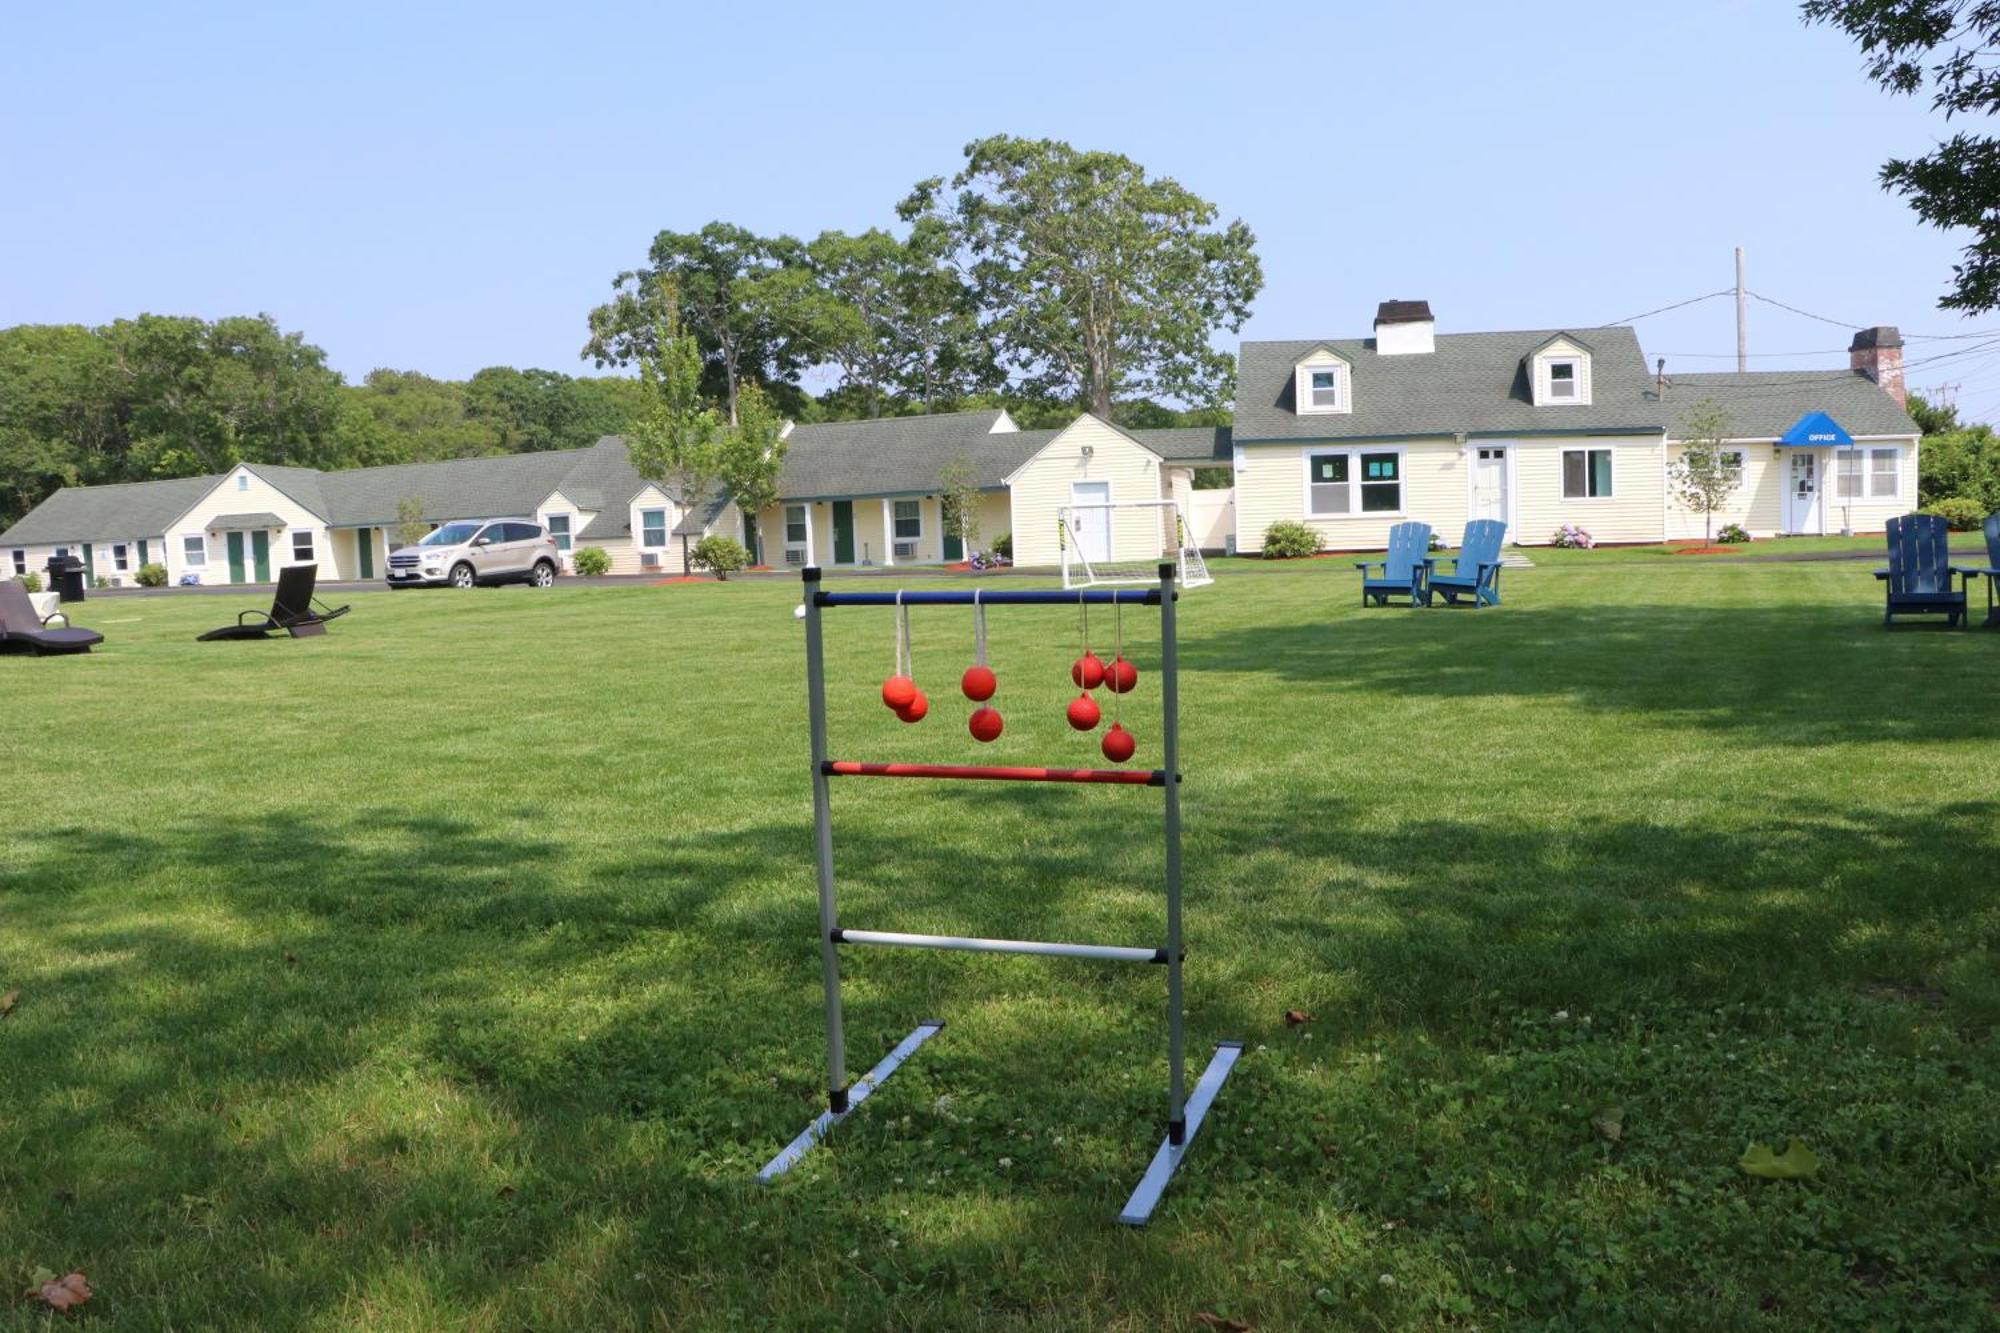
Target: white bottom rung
x,y
856,1095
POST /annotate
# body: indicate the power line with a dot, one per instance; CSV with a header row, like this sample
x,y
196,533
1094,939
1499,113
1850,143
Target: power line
x,y
1855,324
1731,356
1692,300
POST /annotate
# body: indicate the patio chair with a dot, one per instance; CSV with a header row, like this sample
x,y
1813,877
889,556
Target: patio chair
x,y
1918,580
1992,570
25,630
1404,567
294,610
1475,570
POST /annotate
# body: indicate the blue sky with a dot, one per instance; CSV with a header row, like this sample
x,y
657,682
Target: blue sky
x,y
446,187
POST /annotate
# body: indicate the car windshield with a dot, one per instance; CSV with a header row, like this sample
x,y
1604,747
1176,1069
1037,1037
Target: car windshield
x,y
451,534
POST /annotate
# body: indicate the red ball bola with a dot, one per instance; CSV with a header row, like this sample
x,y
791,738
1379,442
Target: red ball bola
x,y
1121,676
979,684
898,691
914,711
1118,744
1088,671
985,724
1083,713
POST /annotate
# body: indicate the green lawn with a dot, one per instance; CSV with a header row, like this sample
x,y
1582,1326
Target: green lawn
x,y
457,970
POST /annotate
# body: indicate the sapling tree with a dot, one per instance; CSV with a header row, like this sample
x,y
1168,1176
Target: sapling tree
x,y
1705,474
411,527
958,490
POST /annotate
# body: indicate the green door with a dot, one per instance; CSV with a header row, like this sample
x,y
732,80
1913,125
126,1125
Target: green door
x,y
954,549
750,539
236,557
143,561
843,532
365,541
260,545
89,565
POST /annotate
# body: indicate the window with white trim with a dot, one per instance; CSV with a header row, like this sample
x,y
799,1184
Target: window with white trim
x,y
1323,387
194,551
1870,474
795,525
20,562
1320,387
559,529
1586,474
652,528
242,481
302,545
118,557
1732,466
1353,481
1563,377
909,521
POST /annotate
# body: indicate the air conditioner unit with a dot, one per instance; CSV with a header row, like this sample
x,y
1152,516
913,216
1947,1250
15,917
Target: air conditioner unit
x,y
906,550
649,559
795,555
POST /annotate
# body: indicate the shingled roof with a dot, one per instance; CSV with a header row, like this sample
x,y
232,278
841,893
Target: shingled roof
x,y
902,455
1764,404
124,509
1472,382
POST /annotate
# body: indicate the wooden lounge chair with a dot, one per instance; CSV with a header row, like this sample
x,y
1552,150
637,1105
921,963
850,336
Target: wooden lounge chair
x,y
24,630
1919,577
1991,572
1404,567
294,610
1475,570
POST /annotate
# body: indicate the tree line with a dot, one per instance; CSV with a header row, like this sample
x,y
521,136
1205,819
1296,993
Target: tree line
x,y
1038,277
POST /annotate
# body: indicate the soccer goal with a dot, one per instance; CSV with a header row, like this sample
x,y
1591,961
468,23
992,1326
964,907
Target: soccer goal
x,y
1124,541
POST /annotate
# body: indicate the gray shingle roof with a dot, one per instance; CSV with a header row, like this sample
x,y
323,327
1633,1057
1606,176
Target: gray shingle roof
x,y
244,522
458,488
1764,404
94,513
900,455
1187,444
300,483
1473,382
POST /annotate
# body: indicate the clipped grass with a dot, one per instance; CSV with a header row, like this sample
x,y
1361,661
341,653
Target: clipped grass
x,y
457,970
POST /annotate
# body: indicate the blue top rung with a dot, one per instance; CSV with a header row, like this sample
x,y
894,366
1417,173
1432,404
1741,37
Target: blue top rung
x,y
998,597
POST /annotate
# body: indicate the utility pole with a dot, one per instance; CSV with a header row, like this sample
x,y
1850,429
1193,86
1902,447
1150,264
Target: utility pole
x,y
1742,336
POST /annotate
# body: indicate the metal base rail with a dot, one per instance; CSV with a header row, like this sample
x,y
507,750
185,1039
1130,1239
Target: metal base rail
x,y
1184,1113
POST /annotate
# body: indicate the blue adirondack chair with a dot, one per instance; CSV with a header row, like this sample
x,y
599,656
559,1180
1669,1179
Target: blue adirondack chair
x,y
1992,570
1920,572
1405,566
1475,570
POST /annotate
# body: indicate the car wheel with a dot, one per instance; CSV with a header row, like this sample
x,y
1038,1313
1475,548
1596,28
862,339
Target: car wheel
x,y
544,575
461,576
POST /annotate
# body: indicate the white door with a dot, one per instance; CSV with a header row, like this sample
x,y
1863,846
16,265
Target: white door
x,y
1090,529
1802,493
1489,483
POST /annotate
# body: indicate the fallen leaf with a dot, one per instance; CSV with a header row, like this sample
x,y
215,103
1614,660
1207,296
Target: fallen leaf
x,y
9,1000
1294,1017
62,1293
1796,1162
1207,1320
291,959
1610,1122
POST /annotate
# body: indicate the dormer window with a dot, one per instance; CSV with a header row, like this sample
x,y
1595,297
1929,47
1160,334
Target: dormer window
x,y
1322,384
1326,389
1559,372
1562,380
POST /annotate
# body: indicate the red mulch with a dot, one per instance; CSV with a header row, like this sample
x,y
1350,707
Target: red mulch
x,y
1699,550
680,578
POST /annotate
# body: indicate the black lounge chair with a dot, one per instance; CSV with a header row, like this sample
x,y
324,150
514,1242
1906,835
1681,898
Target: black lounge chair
x,y
23,631
294,610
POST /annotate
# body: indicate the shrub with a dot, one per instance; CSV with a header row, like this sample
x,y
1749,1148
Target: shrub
x,y
1287,540
151,576
31,581
593,560
1003,546
99,581
1961,513
720,555
1732,534
1571,537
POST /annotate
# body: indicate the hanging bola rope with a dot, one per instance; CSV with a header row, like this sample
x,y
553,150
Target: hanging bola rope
x,y
900,691
979,682
1088,672
1119,677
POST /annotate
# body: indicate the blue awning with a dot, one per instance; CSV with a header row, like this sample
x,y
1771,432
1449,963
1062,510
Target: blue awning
x,y
1817,430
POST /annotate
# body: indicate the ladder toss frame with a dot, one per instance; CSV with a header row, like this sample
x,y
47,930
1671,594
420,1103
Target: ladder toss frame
x,y
1185,1110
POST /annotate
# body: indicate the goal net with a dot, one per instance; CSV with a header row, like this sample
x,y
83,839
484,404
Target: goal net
x,y
1124,541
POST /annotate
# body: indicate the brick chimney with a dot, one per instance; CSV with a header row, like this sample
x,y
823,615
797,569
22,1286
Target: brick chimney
x,y
1878,354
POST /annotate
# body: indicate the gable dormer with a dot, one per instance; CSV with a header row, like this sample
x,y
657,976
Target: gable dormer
x,y
1322,383
1559,372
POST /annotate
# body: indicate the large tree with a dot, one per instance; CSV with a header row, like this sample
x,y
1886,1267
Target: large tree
x,y
1097,281
1950,48
739,295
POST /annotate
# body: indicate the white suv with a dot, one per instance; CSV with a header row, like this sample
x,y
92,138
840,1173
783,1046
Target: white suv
x,y
472,551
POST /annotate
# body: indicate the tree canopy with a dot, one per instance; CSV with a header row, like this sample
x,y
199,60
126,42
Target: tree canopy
x,y
1952,49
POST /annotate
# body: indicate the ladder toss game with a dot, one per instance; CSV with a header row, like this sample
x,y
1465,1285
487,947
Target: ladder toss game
x,y
1185,1109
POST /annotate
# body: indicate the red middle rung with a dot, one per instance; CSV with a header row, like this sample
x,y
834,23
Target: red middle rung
x,y
1136,777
